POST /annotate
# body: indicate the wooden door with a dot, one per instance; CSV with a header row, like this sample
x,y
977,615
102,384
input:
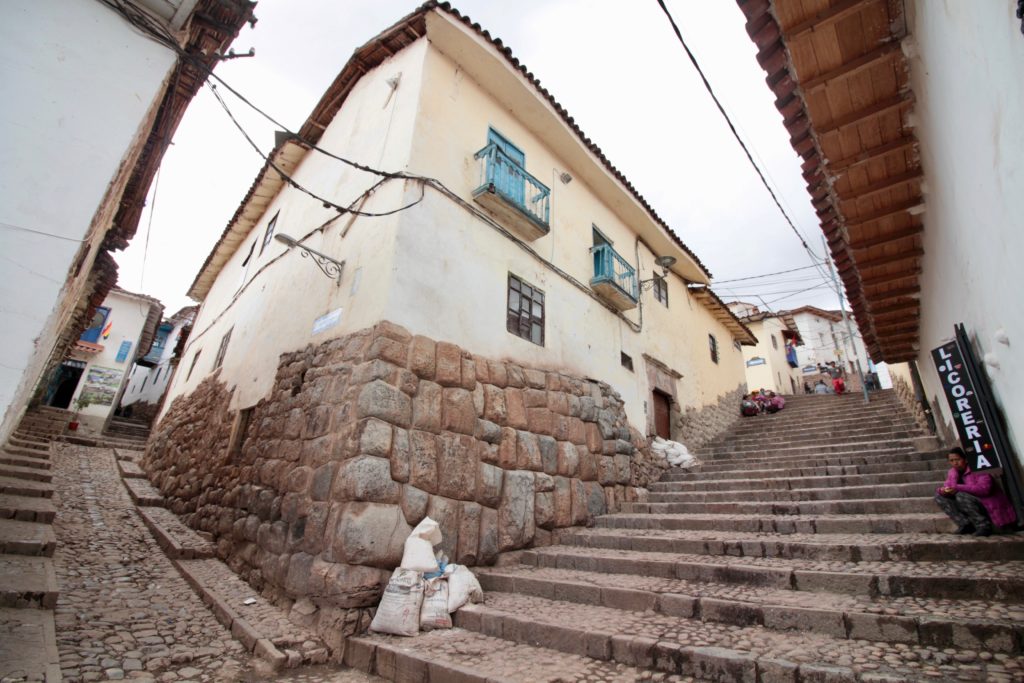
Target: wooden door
x,y
662,422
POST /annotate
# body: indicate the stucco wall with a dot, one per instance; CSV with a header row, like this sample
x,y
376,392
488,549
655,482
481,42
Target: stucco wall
x,y
966,75
80,86
774,374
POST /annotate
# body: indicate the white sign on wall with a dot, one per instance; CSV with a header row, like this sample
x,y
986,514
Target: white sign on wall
x,y
327,321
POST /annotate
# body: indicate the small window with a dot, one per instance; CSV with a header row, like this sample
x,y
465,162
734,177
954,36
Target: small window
x,y
144,381
96,325
627,362
713,345
599,237
219,360
269,234
238,430
193,365
775,343
736,345
525,310
661,289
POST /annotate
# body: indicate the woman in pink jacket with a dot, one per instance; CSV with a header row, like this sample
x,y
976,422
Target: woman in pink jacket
x,y
973,499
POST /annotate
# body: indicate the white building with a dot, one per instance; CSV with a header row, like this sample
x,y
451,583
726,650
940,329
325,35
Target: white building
x,y
90,102
96,371
771,365
826,341
151,373
911,142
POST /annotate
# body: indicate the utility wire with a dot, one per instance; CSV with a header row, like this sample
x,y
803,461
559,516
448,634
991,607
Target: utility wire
x,y
755,277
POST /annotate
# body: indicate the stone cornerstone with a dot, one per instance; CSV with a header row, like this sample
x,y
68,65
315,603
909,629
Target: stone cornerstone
x,y
311,493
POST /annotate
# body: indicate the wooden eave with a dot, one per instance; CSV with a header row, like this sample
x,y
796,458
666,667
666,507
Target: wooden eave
x,y
842,86
718,308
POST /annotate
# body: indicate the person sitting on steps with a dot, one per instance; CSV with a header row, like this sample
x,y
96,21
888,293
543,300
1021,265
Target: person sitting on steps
x,y
973,500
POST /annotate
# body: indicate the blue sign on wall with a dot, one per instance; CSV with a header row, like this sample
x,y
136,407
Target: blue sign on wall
x,y
122,352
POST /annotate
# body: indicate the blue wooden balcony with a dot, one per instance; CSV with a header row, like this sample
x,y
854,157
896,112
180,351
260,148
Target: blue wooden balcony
x,y
614,279
520,201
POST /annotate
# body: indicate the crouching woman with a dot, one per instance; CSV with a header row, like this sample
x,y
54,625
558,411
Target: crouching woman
x,y
973,500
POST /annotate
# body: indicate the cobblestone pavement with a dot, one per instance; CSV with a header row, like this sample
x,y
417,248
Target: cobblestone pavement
x,y
124,611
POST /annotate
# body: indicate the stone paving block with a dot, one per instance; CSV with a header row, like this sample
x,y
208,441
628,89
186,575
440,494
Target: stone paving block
x,y
130,469
26,538
15,486
176,539
27,582
15,471
143,493
28,645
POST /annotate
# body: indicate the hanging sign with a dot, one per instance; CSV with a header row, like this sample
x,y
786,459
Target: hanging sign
x,y
756,360
963,402
327,321
122,352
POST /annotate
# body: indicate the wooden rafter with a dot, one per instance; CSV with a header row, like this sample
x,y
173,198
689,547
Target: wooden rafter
x,y
877,152
893,308
888,277
822,19
890,258
852,67
883,185
903,233
881,107
855,222
900,291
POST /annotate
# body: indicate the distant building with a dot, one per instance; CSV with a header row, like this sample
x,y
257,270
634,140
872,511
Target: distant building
x,y
772,364
826,341
91,102
122,329
152,373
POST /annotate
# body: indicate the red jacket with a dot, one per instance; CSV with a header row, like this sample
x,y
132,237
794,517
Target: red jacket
x,y
984,488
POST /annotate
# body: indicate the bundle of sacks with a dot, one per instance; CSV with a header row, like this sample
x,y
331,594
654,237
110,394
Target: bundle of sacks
x,y
425,590
676,453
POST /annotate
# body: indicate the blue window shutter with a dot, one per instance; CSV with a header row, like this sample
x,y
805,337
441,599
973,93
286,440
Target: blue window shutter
x,y
505,146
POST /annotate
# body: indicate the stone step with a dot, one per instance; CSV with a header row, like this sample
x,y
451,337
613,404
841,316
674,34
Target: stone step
x,y
914,523
825,547
995,580
102,442
972,624
813,507
15,486
259,625
25,473
27,582
29,452
129,469
766,426
178,541
24,461
706,650
896,477
143,493
755,470
926,489
132,454
26,538
27,508
461,656
847,448
28,646
873,433
28,442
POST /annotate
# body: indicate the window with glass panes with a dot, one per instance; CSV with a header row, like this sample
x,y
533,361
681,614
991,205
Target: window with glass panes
x,y
713,346
525,310
661,289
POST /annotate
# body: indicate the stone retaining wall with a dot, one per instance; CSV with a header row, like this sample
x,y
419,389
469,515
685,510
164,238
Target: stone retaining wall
x,y
695,427
362,437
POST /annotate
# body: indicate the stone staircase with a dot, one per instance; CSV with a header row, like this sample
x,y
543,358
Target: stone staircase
x,y
28,583
805,548
127,429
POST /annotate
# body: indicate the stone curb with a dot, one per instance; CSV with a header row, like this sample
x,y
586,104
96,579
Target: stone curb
x,y
168,543
929,631
143,493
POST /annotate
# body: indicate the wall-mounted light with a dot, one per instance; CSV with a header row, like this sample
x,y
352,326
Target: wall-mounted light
x,y
665,262
325,263
565,178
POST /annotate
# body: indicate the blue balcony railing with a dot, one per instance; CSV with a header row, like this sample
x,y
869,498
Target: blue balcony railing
x,y
609,267
510,181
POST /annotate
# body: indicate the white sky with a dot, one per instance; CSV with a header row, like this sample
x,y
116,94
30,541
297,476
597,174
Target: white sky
x,y
618,69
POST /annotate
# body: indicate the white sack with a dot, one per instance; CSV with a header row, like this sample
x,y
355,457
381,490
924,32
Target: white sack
x,y
419,547
399,609
434,613
463,587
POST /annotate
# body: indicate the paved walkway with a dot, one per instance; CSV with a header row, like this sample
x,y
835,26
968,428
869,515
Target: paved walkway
x,y
124,611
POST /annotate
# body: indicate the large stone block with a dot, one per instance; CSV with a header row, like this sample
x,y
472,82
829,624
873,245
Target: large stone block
x,y
401,455
421,357
515,409
426,407
579,502
488,536
548,454
322,482
446,513
516,513
371,534
350,586
381,400
468,546
389,350
423,460
488,485
375,437
508,451
456,467
366,478
495,409
540,421
562,502
448,367
568,460
313,528
544,509
414,504
458,412
528,452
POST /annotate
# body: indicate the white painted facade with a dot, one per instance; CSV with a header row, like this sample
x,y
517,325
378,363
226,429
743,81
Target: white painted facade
x,y
966,72
146,384
106,372
80,90
766,364
826,340
441,268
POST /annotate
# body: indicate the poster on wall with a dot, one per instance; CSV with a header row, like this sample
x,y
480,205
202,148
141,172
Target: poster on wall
x,y
963,402
101,385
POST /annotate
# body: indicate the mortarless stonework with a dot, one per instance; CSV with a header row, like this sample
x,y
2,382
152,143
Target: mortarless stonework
x,y
362,437
695,427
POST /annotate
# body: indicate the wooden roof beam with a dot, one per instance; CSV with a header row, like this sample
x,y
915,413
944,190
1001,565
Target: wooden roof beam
x,y
909,231
885,340
845,164
893,293
853,67
893,308
883,185
858,221
888,277
820,20
890,258
855,117
886,330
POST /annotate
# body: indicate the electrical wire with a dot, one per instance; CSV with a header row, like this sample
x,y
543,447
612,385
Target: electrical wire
x,y
755,277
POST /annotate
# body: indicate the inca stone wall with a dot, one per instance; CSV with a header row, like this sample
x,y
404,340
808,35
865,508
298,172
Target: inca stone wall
x,y
695,427
905,394
365,435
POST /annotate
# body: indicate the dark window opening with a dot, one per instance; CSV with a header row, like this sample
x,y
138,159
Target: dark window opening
x,y
775,343
713,345
525,310
222,351
238,430
269,234
193,365
627,362
99,319
661,289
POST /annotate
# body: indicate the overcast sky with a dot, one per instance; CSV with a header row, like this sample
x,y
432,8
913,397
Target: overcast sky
x,y
618,69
